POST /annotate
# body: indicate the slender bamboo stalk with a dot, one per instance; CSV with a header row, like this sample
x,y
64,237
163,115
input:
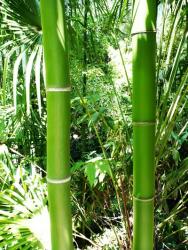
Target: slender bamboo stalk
x,y
144,92
58,124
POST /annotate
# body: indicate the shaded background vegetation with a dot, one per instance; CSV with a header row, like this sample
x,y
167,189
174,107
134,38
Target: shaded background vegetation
x,y
101,130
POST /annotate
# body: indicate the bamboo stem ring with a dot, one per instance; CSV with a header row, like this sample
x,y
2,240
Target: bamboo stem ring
x,y
143,32
59,181
152,123
56,89
143,199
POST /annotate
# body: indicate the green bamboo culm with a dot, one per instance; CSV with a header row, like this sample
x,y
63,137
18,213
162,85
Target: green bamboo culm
x,y
58,122
144,106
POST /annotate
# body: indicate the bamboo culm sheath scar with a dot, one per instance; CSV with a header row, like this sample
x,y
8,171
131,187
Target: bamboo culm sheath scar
x,y
144,92
58,122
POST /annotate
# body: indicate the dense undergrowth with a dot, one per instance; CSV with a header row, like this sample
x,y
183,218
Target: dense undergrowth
x,y
101,127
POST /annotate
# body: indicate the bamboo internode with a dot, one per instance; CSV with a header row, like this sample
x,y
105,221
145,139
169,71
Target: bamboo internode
x,y
144,94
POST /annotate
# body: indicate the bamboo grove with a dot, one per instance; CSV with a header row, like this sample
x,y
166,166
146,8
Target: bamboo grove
x,y
93,124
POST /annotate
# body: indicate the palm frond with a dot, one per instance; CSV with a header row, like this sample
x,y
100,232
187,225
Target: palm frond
x,y
24,219
22,35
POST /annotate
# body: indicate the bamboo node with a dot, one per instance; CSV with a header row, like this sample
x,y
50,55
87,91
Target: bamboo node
x,y
58,181
151,123
55,89
143,199
143,32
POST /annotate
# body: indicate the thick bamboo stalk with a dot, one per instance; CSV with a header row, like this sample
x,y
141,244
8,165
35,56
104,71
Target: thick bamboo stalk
x,y
58,122
144,92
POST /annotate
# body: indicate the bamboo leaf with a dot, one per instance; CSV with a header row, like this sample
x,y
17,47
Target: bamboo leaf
x,y
91,174
37,78
28,78
96,169
15,79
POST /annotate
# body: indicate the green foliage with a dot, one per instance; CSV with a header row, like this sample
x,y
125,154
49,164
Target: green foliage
x,y
21,47
23,205
101,123
95,170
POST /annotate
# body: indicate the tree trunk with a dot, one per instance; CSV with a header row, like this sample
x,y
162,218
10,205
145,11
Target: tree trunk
x,y
58,122
144,105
